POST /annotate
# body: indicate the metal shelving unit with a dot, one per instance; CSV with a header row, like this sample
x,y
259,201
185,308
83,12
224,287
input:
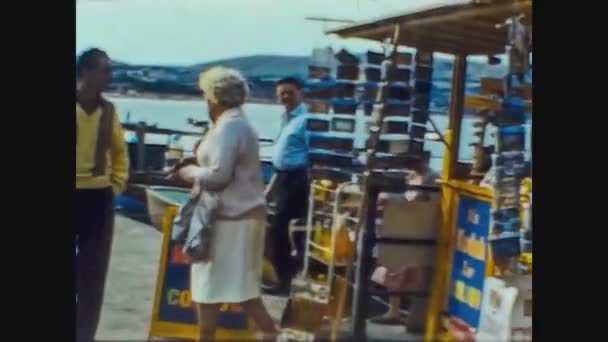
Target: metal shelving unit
x,y
327,209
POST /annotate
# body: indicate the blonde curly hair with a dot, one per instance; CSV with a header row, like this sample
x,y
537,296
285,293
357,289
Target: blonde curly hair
x,y
224,86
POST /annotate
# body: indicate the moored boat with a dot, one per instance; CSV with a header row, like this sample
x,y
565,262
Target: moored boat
x,y
149,191
159,198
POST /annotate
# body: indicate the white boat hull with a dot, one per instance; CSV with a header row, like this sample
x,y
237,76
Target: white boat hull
x,y
157,202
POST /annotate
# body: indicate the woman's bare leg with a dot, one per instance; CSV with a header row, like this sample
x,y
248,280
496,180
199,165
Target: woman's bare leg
x,y
207,321
255,309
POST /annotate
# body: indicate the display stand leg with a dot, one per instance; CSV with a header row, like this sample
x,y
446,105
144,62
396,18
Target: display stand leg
x,y
364,265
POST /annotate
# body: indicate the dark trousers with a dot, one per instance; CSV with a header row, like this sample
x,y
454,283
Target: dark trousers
x,y
94,231
291,196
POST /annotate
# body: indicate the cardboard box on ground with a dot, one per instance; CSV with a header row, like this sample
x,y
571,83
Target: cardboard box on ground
x,y
412,220
506,312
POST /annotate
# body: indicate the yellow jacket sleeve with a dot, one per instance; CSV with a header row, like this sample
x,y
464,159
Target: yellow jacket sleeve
x,y
120,158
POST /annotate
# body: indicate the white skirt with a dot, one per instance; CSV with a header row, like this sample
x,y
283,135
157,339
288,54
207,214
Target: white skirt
x,y
234,273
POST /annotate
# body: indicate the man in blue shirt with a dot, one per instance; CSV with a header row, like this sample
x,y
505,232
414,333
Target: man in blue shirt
x,y
289,184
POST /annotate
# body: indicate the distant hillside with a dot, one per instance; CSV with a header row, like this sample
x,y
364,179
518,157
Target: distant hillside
x,y
261,66
262,70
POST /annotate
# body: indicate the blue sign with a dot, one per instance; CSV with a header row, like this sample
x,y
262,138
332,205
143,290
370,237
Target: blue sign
x,y
469,260
174,306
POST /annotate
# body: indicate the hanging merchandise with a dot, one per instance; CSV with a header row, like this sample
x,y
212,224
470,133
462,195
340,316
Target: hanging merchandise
x,y
398,92
318,107
318,72
374,58
509,164
481,153
315,124
322,57
345,89
423,72
509,161
394,107
370,92
348,67
394,127
347,72
511,139
391,145
372,73
318,89
331,142
403,58
505,227
392,102
423,86
506,220
420,100
399,74
328,151
344,106
418,131
321,64
345,57
345,125
420,116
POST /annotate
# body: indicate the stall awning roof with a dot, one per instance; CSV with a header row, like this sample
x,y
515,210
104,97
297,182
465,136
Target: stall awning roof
x,y
459,27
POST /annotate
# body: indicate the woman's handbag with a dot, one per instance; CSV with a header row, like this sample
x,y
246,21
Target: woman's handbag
x,y
194,224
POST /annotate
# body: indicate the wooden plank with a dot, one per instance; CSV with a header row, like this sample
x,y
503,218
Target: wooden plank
x,y
446,42
443,40
467,13
491,86
482,16
473,31
485,102
495,86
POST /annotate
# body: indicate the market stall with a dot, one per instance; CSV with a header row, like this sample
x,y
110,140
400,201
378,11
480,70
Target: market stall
x,y
367,129
482,280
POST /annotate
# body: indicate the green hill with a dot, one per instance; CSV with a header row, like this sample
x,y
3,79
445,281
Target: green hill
x,y
260,70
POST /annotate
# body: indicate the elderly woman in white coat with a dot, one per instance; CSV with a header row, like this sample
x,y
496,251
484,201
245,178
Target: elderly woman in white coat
x,y
228,162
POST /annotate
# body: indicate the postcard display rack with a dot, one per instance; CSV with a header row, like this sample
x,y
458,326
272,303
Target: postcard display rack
x,y
392,94
509,159
332,105
401,100
336,105
507,304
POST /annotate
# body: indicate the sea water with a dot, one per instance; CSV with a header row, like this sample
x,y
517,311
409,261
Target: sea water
x,y
265,118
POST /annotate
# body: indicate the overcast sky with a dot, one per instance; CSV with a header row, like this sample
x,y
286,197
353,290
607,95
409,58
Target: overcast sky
x,y
193,31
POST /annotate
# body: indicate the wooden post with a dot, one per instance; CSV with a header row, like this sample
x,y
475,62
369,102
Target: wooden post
x,y
440,284
141,146
456,110
364,265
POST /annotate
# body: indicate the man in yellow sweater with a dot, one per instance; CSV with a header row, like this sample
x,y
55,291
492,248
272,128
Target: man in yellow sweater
x,y
102,168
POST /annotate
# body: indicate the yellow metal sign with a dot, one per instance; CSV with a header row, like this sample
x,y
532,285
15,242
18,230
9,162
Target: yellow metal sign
x,y
174,314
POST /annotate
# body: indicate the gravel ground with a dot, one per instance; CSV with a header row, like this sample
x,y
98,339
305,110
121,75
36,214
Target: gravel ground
x,y
130,288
